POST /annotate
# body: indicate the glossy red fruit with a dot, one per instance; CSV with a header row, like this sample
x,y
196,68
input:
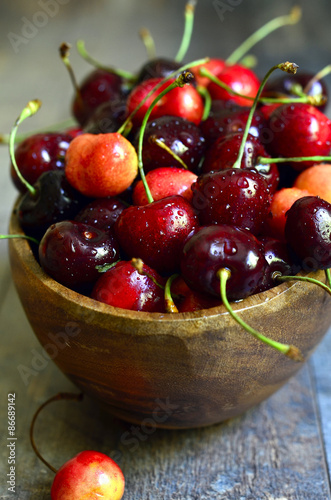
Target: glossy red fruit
x,y
185,102
300,130
164,182
125,287
239,197
157,68
90,474
241,79
216,247
214,66
223,153
277,260
308,232
101,213
157,232
38,154
98,87
101,165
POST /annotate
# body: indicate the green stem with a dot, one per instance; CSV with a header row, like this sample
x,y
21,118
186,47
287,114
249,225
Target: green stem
x,y
169,302
316,159
162,145
288,68
207,100
279,277
80,44
148,41
292,18
182,80
24,236
289,350
154,89
328,276
321,74
188,29
30,109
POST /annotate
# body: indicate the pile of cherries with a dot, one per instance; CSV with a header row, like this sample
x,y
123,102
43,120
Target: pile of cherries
x,y
176,173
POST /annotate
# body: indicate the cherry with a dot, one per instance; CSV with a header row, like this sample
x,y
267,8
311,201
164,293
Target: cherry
x,y
37,154
316,180
164,182
157,232
181,136
101,213
157,68
277,261
128,287
90,474
188,300
224,152
101,165
54,199
300,130
308,232
239,197
222,246
70,252
108,117
214,66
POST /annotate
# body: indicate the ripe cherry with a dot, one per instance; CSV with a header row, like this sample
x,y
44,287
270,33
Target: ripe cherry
x,y
108,117
316,180
128,287
277,261
157,68
101,213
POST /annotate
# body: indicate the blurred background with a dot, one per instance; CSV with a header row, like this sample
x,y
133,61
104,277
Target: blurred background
x,y
31,33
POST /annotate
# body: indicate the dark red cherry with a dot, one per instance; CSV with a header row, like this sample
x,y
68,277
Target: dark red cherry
x,y
308,232
299,130
183,137
98,87
70,251
157,68
222,246
54,200
125,287
241,79
108,117
157,232
188,300
283,85
223,153
235,196
39,153
277,260
101,213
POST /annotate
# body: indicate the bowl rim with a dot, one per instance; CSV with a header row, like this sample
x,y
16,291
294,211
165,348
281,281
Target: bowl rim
x,y
23,248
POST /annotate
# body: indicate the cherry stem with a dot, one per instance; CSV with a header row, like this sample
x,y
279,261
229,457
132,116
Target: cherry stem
x,y
102,268
70,122
148,41
203,91
321,74
183,79
292,18
162,145
58,397
138,264
288,68
30,109
328,276
289,350
64,50
174,74
316,159
80,44
280,277
188,29
249,61
24,236
170,305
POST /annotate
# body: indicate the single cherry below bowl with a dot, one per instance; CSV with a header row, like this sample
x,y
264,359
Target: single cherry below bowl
x,y
173,370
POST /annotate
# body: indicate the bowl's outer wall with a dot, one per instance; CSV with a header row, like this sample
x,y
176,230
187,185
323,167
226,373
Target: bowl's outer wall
x,y
172,371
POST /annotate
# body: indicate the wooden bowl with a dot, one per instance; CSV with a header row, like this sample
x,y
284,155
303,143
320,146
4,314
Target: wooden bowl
x,y
169,370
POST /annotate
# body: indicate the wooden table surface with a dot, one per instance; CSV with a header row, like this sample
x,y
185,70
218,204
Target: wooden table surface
x,y
280,450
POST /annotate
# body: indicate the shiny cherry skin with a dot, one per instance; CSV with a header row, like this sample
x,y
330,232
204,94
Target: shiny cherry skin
x,y
108,117
299,130
241,79
235,196
39,153
308,232
183,137
214,66
55,200
185,102
157,232
70,251
224,152
157,68
98,87
217,247
101,213
125,287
